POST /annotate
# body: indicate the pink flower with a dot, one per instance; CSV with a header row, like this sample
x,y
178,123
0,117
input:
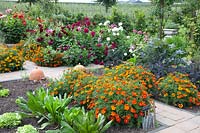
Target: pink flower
x,y
78,28
140,32
134,31
49,31
92,33
8,11
86,30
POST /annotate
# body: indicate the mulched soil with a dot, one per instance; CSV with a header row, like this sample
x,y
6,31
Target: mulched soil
x,y
19,88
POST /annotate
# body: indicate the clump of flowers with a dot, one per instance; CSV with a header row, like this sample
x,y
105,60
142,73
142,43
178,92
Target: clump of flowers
x,y
11,59
13,26
119,99
176,89
131,72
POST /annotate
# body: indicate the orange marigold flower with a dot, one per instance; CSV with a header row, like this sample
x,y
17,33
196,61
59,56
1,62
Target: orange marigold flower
x,y
134,94
103,111
142,103
113,107
126,107
180,106
133,110
113,113
134,101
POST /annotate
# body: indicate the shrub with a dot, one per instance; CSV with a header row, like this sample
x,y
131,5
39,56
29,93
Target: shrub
x,y
47,57
27,129
178,90
13,26
160,57
10,120
10,60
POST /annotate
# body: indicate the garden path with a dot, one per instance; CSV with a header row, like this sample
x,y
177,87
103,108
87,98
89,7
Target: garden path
x,y
174,120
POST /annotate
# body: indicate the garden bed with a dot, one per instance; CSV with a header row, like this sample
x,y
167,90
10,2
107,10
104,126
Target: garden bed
x,y
19,88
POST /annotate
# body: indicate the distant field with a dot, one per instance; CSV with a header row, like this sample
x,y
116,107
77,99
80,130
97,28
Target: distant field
x,y
88,9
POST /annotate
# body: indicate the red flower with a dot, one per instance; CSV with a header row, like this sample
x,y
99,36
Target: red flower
x,y
126,121
135,116
113,45
92,33
86,30
99,45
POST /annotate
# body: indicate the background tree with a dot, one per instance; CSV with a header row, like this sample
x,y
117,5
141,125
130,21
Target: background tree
x,y
161,6
107,3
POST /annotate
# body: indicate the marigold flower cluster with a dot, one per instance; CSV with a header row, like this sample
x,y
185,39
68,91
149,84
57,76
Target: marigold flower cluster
x,y
178,90
119,99
10,59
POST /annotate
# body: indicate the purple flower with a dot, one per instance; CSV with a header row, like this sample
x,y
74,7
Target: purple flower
x,y
92,33
86,30
50,42
80,56
40,39
60,35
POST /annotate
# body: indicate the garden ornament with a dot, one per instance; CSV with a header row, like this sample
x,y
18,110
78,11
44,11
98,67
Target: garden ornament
x,y
36,74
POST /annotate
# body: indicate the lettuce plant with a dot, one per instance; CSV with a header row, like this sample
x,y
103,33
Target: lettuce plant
x,y
10,119
27,129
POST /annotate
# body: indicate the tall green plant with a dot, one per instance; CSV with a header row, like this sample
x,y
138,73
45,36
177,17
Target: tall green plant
x,y
41,104
161,6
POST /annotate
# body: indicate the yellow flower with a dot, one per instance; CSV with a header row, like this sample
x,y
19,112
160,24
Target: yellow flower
x,y
173,94
166,94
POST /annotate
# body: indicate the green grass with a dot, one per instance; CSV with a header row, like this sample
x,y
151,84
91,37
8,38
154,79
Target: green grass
x,y
87,9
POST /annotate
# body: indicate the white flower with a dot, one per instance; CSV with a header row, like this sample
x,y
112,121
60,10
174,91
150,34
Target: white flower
x,y
115,29
128,37
106,23
108,38
109,30
130,50
100,24
120,23
121,28
125,54
117,34
114,34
